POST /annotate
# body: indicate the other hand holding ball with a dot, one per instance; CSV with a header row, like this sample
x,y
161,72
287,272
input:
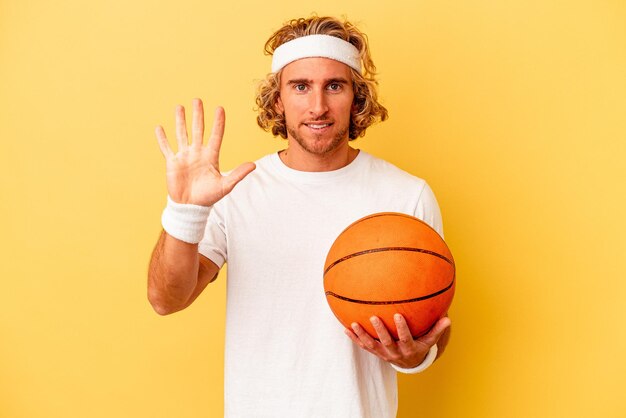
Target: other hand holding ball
x,y
406,352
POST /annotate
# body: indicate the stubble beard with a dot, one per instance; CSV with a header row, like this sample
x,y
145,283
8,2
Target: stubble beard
x,y
311,147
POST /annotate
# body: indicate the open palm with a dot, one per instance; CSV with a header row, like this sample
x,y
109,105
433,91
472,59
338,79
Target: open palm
x,y
193,174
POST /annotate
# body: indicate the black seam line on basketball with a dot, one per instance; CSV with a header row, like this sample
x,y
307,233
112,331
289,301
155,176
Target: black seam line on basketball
x,y
390,302
377,250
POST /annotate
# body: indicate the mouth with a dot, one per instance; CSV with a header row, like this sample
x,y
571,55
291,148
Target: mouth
x,y
318,126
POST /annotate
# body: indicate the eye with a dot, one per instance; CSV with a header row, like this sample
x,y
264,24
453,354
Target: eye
x,y
300,87
334,86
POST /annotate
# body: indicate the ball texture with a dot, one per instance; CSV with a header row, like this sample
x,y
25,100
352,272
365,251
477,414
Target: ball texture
x,y
388,263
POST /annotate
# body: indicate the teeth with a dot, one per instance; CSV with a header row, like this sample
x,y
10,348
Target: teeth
x,y
319,126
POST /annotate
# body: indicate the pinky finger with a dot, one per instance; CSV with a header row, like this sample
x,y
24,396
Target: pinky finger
x,y
354,338
163,143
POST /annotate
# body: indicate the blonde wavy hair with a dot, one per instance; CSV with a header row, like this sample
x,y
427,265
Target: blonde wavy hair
x,y
366,108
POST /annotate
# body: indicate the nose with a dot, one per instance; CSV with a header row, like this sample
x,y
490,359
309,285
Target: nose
x,y
318,105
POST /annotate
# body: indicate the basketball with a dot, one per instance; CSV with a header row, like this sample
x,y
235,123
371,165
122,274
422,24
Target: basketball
x,y
389,263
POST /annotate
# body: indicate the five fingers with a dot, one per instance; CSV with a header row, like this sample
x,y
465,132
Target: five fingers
x,y
390,349
197,134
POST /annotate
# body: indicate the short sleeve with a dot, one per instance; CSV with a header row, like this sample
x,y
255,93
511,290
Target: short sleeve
x,y
214,244
428,209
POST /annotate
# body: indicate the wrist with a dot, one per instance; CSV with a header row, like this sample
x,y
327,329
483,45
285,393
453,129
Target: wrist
x,y
185,221
428,360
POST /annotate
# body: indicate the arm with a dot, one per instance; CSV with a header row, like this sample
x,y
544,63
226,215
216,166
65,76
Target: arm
x,y
177,273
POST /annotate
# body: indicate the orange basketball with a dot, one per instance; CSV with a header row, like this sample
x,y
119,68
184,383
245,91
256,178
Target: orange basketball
x,y
389,263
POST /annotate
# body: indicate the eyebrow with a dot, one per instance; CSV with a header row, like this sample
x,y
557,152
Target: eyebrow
x,y
339,80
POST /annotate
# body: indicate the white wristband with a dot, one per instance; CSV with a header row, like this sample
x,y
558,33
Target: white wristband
x,y
430,359
185,222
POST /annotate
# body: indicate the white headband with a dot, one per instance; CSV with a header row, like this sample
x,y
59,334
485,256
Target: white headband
x,y
323,46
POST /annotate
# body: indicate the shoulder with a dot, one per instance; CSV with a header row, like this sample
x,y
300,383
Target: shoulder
x,y
390,173
389,180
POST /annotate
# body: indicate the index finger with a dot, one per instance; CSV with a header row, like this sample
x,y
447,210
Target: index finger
x,y
217,132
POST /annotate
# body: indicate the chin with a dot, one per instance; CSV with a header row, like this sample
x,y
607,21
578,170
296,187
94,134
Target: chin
x,y
318,145
322,147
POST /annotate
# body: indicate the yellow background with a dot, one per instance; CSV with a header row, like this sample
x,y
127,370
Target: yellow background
x,y
514,111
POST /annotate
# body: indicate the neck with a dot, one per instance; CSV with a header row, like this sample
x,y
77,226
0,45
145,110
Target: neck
x,y
298,159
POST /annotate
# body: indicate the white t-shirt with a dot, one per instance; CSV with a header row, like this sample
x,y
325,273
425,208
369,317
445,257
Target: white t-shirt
x,y
286,355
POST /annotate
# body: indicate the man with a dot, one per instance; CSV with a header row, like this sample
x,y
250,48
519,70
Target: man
x,y
285,354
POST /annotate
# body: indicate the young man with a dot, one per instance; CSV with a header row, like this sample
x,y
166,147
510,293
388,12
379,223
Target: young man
x,y
286,355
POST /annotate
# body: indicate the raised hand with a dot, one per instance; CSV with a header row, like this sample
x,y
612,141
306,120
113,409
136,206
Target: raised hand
x,y
193,174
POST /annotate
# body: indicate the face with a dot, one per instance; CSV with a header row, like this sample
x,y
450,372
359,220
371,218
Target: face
x,y
316,98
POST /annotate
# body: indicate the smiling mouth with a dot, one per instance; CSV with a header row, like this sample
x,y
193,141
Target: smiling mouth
x,y
318,126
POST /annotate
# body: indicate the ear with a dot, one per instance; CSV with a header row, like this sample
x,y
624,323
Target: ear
x,y
278,106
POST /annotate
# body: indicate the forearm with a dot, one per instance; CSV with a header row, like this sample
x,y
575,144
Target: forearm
x,y
172,274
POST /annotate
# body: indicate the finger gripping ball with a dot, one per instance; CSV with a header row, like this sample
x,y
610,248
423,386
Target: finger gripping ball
x,y
389,263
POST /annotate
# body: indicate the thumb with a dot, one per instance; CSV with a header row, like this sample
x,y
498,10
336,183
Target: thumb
x,y
436,331
238,174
